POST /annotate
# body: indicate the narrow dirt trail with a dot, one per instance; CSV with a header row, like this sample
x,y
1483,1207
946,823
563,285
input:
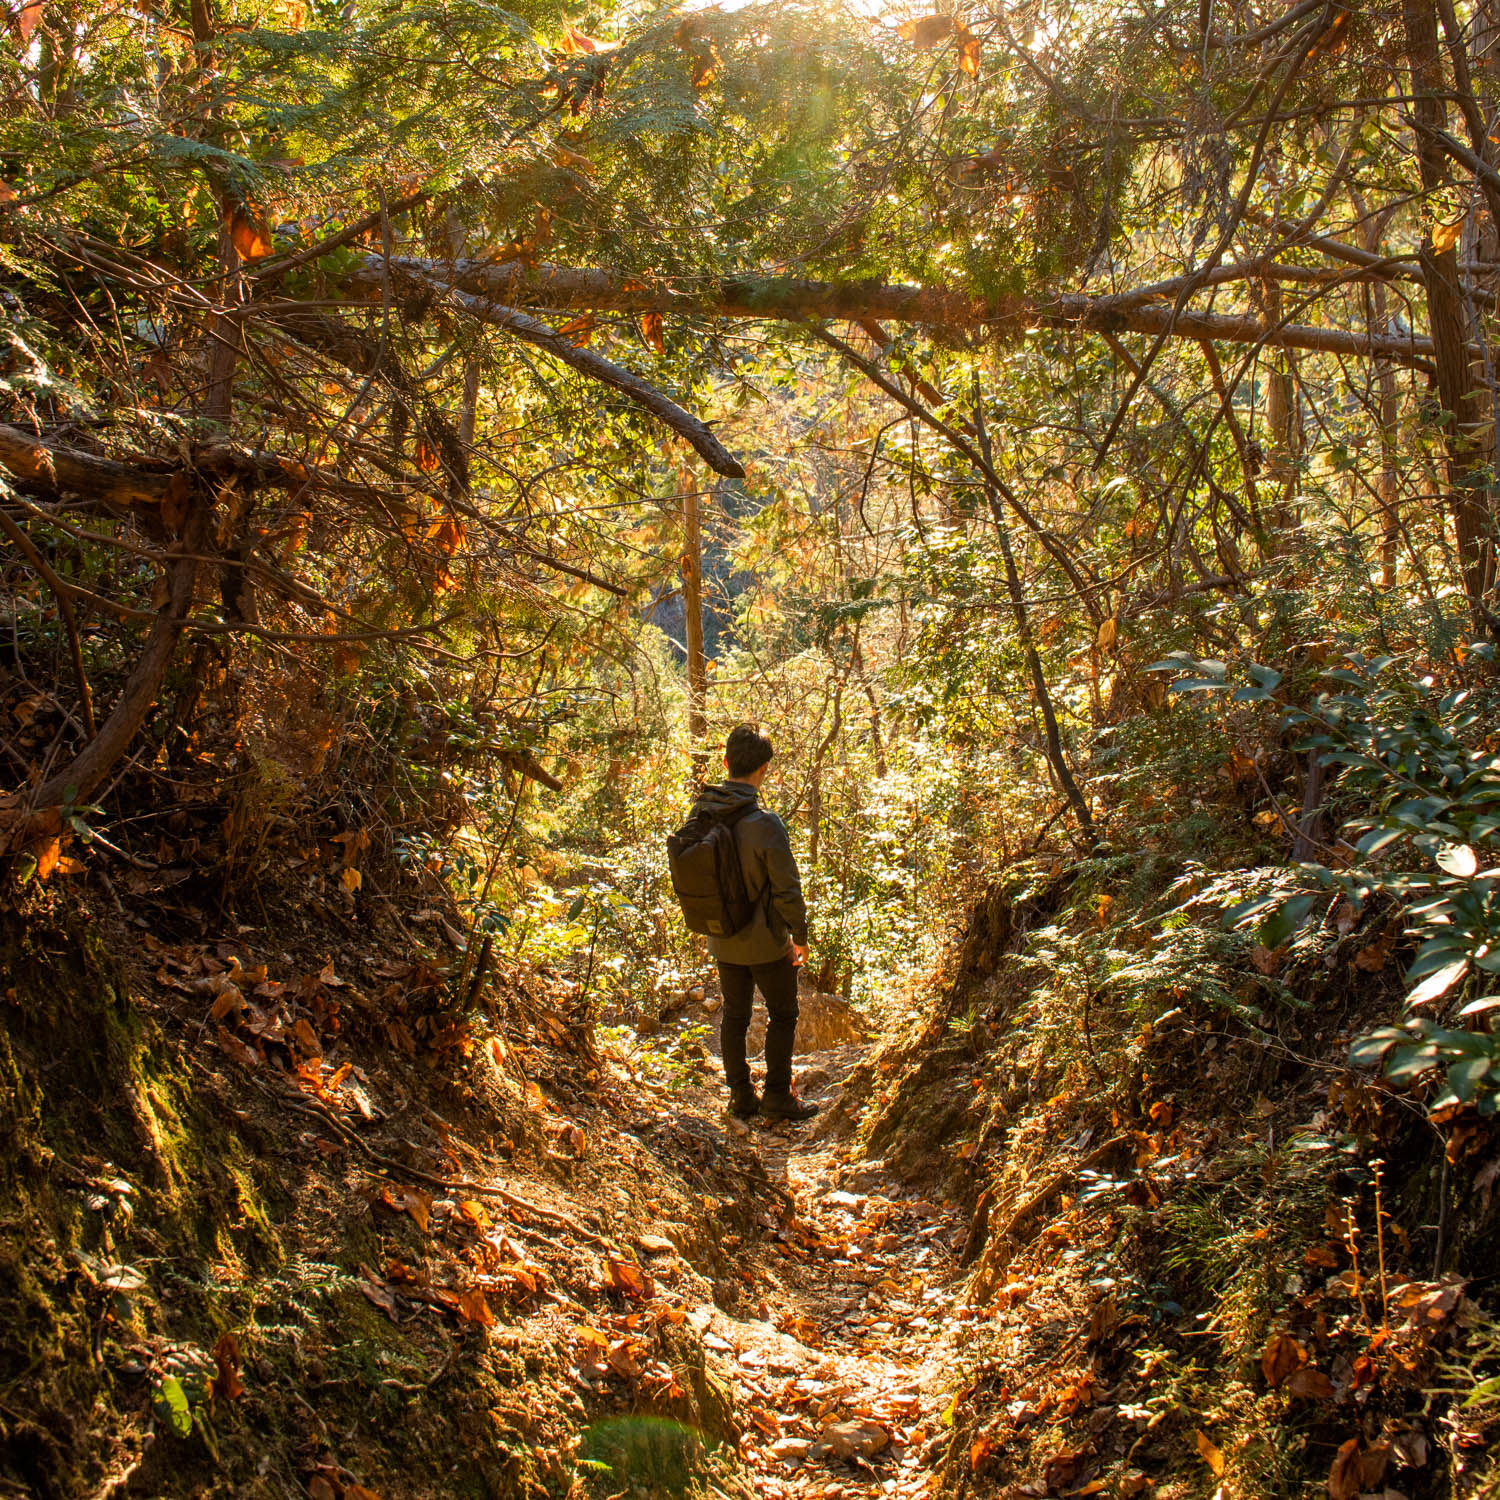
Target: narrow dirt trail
x,y
844,1374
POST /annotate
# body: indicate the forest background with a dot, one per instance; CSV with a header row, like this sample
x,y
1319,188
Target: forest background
x,y
1069,430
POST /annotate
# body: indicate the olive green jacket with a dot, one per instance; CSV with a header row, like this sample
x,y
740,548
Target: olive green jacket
x,y
771,878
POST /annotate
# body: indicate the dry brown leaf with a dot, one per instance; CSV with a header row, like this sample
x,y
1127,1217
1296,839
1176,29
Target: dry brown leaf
x,y
306,1038
651,331
574,42
233,1047
1265,960
1280,1357
474,1214
249,232
28,19
1445,236
1311,1384
47,857
628,1278
473,1308
579,331
574,161
409,1201
969,51
228,998
226,1383
1344,1478
928,31
381,1295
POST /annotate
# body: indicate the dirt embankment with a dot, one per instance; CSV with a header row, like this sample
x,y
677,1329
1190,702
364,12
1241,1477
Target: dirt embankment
x,y
1113,1217
1204,1257
280,1222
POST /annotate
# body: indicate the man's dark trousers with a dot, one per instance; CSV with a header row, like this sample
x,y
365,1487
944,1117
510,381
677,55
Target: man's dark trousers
x,y
777,982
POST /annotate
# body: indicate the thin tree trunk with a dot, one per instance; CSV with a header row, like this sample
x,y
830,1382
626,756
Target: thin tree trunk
x,y
1056,756
1469,434
692,601
1284,426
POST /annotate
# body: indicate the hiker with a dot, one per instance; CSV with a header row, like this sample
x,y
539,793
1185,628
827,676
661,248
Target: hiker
x,y
760,941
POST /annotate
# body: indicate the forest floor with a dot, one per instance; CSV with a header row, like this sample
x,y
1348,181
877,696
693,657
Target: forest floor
x,y
281,1228
282,1223
843,1374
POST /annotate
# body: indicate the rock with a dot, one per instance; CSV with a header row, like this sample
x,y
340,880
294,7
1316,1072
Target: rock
x,y
862,1176
839,1198
856,1439
791,1450
824,1021
712,1005
654,1244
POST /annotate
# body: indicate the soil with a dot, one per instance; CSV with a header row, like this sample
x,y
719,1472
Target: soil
x,y
277,1227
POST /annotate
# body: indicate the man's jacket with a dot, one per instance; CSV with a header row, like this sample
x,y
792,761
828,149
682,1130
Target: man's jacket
x,y
771,878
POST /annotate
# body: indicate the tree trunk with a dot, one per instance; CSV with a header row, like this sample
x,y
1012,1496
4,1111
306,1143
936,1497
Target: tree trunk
x,y
1469,432
692,601
1284,428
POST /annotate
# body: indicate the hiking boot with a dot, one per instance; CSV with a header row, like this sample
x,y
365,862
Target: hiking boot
x,y
744,1102
786,1106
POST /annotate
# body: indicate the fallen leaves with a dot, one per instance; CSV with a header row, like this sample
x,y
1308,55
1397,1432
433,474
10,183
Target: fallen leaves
x,y
473,1308
409,1201
227,1385
628,1279
1281,1356
1209,1452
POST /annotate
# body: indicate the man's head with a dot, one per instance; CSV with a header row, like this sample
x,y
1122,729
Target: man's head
x,y
747,753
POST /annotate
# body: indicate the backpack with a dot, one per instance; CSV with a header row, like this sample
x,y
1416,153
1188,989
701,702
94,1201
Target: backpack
x,y
707,876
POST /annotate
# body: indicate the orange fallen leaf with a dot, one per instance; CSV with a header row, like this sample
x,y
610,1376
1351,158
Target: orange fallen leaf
x,y
1211,1454
1345,1479
1310,1384
234,1048
475,1214
651,331
410,1201
628,1278
1280,1357
226,1383
473,1308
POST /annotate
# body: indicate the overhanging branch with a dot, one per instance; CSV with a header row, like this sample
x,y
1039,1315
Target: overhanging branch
x,y
576,289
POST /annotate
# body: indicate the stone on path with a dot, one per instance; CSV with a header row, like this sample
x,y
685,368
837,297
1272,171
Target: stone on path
x,y
848,1440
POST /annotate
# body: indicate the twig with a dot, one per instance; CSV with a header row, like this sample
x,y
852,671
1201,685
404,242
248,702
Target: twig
x,y
454,1184
64,608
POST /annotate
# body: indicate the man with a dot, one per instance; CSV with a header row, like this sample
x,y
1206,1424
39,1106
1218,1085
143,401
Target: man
x,y
768,952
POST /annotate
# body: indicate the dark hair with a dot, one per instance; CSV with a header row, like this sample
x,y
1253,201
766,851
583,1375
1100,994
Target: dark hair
x,y
746,750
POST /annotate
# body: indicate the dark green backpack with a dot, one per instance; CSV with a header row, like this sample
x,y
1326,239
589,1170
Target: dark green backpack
x,y
707,876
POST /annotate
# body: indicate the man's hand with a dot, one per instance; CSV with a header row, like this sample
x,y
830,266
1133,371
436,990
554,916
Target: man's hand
x,y
799,955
